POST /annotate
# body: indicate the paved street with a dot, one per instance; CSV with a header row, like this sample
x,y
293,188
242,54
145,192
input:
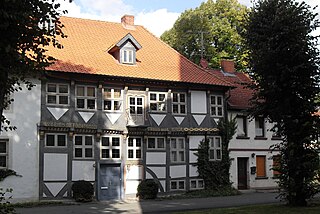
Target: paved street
x,y
165,206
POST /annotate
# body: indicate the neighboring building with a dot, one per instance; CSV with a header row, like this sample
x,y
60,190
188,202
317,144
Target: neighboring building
x,y
252,159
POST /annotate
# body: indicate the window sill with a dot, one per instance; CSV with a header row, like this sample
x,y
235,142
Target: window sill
x,y
260,138
262,178
243,137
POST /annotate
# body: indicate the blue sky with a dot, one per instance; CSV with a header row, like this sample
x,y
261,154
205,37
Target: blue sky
x,y
156,15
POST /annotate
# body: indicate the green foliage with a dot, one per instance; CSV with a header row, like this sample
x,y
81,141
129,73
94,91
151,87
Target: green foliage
x,y
23,45
284,63
5,205
220,21
216,173
82,191
147,189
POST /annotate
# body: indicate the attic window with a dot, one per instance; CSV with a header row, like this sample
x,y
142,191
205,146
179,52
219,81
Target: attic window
x,y
127,56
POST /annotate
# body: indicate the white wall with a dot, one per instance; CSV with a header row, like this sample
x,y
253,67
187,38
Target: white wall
x,y
24,113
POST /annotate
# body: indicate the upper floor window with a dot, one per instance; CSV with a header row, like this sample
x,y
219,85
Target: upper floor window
x,y
177,149
57,94
127,56
3,153
179,103
216,105
157,102
259,127
242,130
110,147
83,146
56,140
134,148
112,99
85,97
215,148
156,143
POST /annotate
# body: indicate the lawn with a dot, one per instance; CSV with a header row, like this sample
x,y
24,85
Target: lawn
x,y
261,209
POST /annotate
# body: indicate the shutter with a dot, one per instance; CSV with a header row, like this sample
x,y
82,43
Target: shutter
x,y
261,166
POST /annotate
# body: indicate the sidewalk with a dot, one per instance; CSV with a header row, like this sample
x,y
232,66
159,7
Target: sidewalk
x,y
165,206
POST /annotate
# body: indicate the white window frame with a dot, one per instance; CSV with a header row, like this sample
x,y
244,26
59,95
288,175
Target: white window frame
x,y
135,148
179,103
158,102
126,55
56,140
110,147
83,146
112,99
177,182
197,181
157,143
215,145
86,98
6,154
57,94
259,131
176,150
214,106
243,124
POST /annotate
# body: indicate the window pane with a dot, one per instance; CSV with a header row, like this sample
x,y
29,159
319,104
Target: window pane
x,y
3,147
181,156
218,154
153,96
107,93
213,100
63,89
117,105
181,143
130,142
162,97
175,97
49,142
151,143
162,107
132,109
107,105
130,153
88,152
115,153
130,56
153,106
78,140
51,88
52,99
160,143
91,92
80,103
80,91
115,141
182,109
61,140
139,110
139,101
138,153
218,142
132,101
219,111
182,98
105,141
193,184
91,104
173,143
174,156
3,161
78,152
175,108
173,185
88,140
105,153
200,184
181,184
63,100
138,142
117,93
213,111
211,154
219,100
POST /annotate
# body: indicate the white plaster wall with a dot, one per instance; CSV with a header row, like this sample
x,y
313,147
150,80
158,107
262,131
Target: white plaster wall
x,y
177,171
198,102
83,170
156,158
24,113
55,167
193,171
134,172
131,187
194,141
159,171
163,183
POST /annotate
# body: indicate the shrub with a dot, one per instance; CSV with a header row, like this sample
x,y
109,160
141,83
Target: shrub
x,y
82,191
148,189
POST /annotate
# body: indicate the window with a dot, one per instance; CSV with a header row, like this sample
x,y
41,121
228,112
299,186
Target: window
x,y
157,102
56,140
179,103
127,56
177,149
85,97
177,185
112,99
156,143
261,166
110,147
83,146
3,153
241,126
259,124
215,148
216,106
57,94
196,184
276,164
134,148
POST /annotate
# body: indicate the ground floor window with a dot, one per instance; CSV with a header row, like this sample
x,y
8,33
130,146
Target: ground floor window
x,y
196,184
134,148
177,150
56,140
110,147
177,185
3,153
83,146
156,143
215,148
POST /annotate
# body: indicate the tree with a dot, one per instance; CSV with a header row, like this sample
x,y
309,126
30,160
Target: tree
x,y
284,64
27,27
213,27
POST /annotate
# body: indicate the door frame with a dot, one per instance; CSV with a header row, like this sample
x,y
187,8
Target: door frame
x,y
246,159
98,190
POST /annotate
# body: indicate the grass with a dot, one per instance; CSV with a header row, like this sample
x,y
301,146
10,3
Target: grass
x,y
261,209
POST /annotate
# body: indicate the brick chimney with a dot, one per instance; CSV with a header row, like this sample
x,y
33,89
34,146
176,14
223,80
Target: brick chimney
x,y
227,65
127,20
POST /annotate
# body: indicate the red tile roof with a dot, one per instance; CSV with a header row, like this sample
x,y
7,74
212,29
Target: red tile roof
x,y
85,51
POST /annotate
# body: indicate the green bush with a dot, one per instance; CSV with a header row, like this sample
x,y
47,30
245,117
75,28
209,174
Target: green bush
x,y
82,191
148,189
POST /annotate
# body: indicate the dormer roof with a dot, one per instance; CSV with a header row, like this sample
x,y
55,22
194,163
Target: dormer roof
x,y
123,41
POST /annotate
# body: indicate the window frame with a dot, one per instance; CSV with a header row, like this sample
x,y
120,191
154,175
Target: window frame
x,y
110,147
176,150
213,147
197,184
261,122
216,106
85,97
112,99
177,185
83,146
156,143
126,54
244,125
57,94
55,140
135,148
6,154
179,103
158,102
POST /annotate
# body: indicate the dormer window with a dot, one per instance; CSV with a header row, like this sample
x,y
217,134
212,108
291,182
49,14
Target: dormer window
x,y
125,50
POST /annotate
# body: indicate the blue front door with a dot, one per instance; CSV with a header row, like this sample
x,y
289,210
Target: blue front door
x,y
110,182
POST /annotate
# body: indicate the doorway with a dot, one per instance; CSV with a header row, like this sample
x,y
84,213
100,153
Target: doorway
x,y
110,182
242,173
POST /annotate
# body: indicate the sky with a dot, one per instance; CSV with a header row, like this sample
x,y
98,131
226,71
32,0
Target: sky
x,y
155,15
